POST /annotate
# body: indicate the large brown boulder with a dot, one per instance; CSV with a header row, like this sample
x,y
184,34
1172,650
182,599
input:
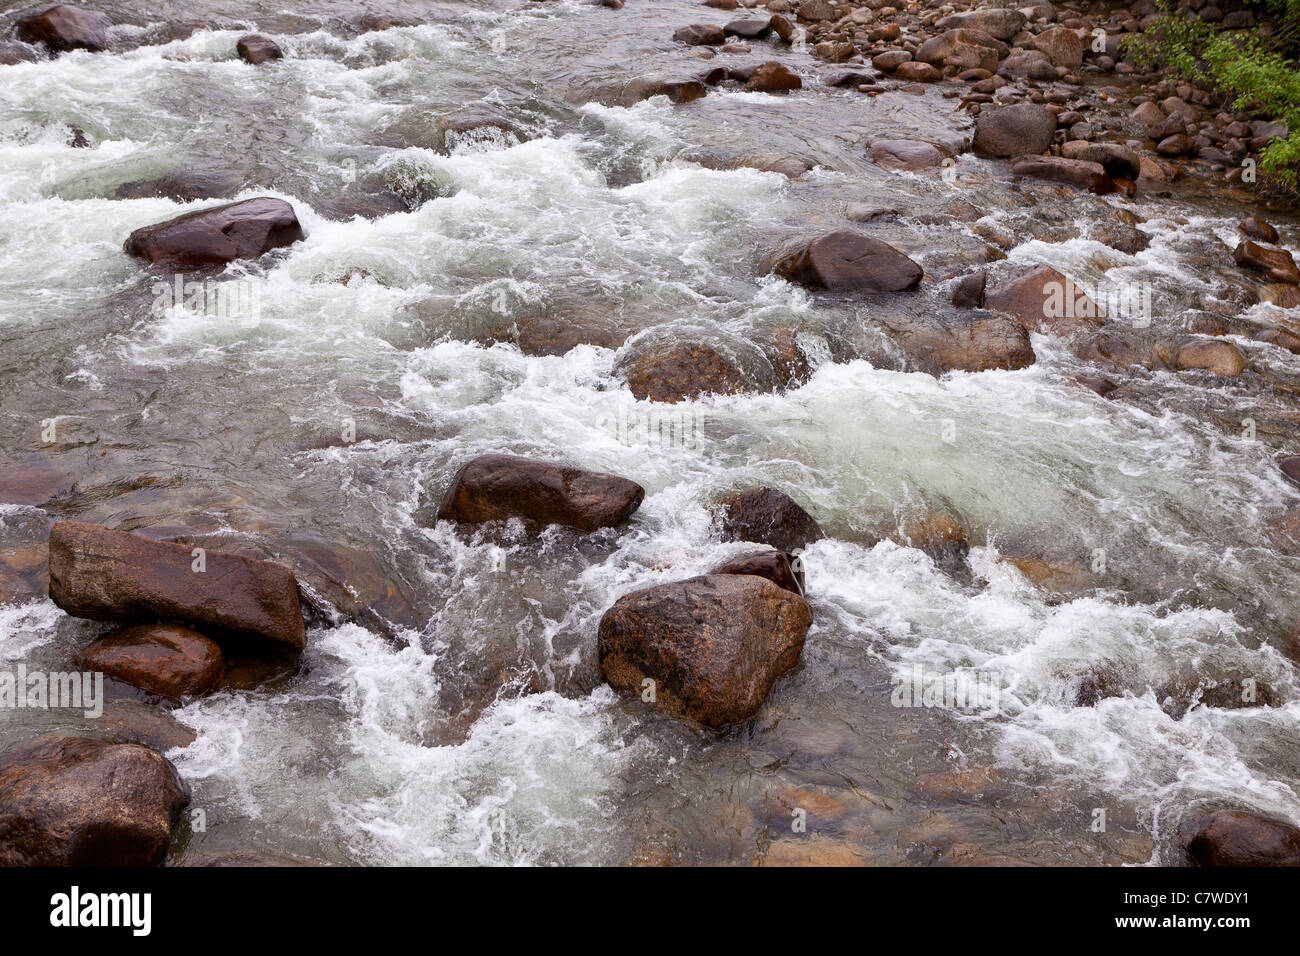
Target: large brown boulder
x,y
962,48
1118,160
1018,130
675,373
221,234
65,28
70,801
845,260
108,575
1211,355
1277,264
712,645
497,487
767,516
1241,838
1042,299
968,345
162,659
1002,24
1061,45
773,78
256,49
1058,169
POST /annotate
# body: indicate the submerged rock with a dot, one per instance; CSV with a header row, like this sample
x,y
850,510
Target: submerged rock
x,y
239,230
498,487
1241,838
905,154
70,801
712,645
675,373
849,261
700,34
767,516
65,28
968,345
107,575
256,49
163,659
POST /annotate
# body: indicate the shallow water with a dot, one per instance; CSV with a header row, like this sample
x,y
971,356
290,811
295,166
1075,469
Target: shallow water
x,y
470,723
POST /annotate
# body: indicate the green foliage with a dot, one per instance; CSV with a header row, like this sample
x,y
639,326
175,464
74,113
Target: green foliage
x,y
1241,64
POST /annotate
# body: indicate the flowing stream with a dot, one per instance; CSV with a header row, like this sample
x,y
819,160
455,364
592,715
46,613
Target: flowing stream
x,y
462,718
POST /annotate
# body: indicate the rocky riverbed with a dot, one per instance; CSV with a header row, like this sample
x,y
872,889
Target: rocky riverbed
x,y
568,433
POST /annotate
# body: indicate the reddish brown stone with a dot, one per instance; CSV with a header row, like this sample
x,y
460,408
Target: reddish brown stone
x,y
162,659
238,230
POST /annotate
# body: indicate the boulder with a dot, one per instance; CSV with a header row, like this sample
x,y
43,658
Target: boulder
x,y
749,28
700,34
215,236
1027,64
1277,264
1058,169
677,90
65,28
71,801
939,537
498,487
675,373
1255,228
773,78
256,49
1017,130
163,659
107,575
847,261
968,345
1241,838
1002,24
890,60
1210,355
1044,300
968,293
712,645
767,516
776,566
1061,45
1118,160
905,154
914,72
964,49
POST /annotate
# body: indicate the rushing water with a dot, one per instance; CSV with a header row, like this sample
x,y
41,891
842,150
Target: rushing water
x,y
464,720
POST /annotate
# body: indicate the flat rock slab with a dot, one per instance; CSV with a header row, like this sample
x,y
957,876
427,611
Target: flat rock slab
x,y
847,261
107,575
1080,173
65,28
71,801
239,230
498,487
712,645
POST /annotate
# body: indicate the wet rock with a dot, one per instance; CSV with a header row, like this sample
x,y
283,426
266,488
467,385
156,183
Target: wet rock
x,y
107,575
70,801
1061,45
1215,357
853,78
1291,467
1148,114
815,849
1055,576
1179,144
939,537
182,186
773,78
239,230
776,566
914,72
749,28
1017,130
498,487
1241,838
1002,24
1277,264
65,28
1044,300
1282,338
679,91
1121,237
906,154
969,291
700,34
675,373
1058,169
1118,160
973,345
1255,228
847,261
712,645
256,49
816,10
767,516
127,721
1281,295
783,28
163,659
